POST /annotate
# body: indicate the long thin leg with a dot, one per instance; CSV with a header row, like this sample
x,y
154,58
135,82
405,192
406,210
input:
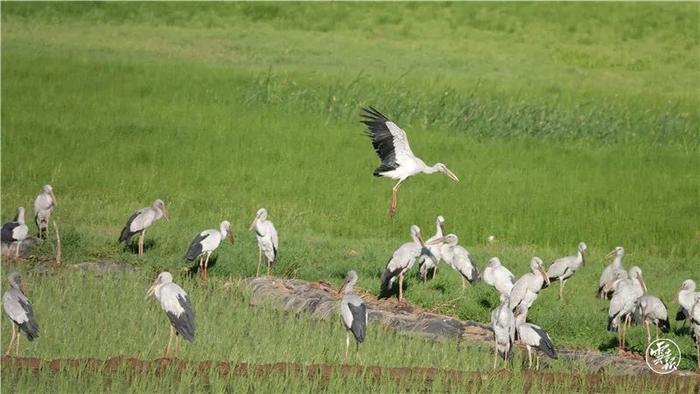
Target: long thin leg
x,y
141,237
257,273
464,283
206,266
394,199
201,266
17,250
9,346
434,271
347,346
177,345
17,338
401,287
495,351
646,324
561,290
657,331
697,349
170,338
538,362
269,265
529,358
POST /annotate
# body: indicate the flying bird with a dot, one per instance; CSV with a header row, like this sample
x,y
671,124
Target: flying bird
x,y
177,306
44,204
397,160
500,277
503,326
267,239
649,309
353,312
205,243
604,284
15,232
622,303
142,220
533,336
401,261
458,258
427,263
19,309
563,268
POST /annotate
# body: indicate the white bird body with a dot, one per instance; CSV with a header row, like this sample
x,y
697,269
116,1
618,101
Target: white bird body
x,y
533,336
623,302
498,276
503,325
20,311
353,312
16,231
141,220
686,298
605,287
266,234
206,242
563,268
44,204
695,322
649,309
177,306
397,159
458,258
401,261
525,289
430,262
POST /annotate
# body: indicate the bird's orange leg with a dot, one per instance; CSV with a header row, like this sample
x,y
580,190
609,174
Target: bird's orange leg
x,y
206,267
141,237
170,339
394,199
401,288
257,273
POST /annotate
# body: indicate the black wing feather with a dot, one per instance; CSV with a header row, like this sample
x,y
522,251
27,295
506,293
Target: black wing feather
x,y
359,321
31,326
184,324
382,139
195,248
546,345
7,229
680,315
126,232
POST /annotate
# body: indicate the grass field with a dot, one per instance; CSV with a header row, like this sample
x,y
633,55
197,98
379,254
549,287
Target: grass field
x,y
565,123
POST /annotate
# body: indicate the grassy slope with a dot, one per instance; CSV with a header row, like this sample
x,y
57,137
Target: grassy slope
x,y
577,125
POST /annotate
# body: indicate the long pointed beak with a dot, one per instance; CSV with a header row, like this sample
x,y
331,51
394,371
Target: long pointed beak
x,y
23,289
252,224
420,240
232,238
436,241
544,275
611,254
451,175
53,196
342,288
644,285
151,290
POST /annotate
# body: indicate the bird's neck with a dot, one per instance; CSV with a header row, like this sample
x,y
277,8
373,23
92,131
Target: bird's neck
x,y
223,232
617,261
580,258
20,217
430,169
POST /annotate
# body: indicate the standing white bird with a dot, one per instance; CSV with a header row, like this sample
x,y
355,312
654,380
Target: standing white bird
x,y
398,161
19,309
353,312
458,258
15,232
533,336
401,261
174,301
268,242
622,303
604,284
44,204
649,309
142,220
686,297
205,243
503,325
427,263
498,276
563,268
526,289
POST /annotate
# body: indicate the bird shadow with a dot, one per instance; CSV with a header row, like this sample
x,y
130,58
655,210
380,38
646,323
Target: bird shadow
x,y
611,344
682,330
147,245
485,303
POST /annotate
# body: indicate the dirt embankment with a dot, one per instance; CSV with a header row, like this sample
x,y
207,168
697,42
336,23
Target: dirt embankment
x,y
323,373
320,299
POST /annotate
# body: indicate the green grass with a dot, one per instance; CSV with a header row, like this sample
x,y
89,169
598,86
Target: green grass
x,y
565,123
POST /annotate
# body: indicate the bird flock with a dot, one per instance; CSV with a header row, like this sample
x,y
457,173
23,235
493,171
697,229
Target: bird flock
x,y
626,290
